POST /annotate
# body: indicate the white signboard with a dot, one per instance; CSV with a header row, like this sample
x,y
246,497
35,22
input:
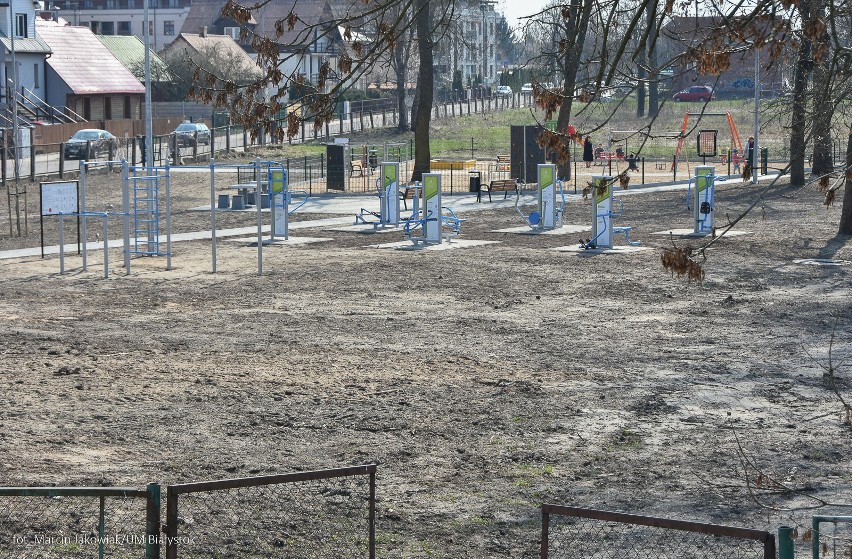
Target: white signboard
x,y
58,197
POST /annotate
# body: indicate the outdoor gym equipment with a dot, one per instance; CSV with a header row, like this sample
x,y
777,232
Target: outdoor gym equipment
x,y
703,203
550,216
603,214
427,217
280,198
387,187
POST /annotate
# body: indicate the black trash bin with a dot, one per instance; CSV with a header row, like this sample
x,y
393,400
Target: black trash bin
x,y
475,180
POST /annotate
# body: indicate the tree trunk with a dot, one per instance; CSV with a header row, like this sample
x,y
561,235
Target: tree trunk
x,y
425,79
640,89
578,25
401,83
653,84
846,213
799,109
823,104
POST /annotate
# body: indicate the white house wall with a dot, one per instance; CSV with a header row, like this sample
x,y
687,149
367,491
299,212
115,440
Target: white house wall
x,y
157,18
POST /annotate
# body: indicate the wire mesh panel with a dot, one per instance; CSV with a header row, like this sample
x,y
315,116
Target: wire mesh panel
x,y
327,514
46,523
832,537
572,532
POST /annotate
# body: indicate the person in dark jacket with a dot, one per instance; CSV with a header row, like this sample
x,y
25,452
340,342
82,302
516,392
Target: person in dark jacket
x,y
588,151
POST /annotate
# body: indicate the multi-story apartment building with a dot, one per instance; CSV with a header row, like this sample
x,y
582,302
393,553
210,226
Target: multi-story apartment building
x,y
127,17
470,45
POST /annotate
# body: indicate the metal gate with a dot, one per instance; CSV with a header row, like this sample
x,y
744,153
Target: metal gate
x,y
324,513
596,534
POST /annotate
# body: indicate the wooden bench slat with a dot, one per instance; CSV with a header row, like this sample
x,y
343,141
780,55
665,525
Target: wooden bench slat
x,y
498,185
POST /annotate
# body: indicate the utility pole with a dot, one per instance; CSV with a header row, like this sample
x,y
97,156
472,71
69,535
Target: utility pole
x,y
754,152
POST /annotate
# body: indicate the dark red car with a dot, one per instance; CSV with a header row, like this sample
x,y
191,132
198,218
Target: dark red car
x,y
695,93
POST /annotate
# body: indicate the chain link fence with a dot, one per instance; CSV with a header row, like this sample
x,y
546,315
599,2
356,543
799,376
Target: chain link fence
x,y
58,523
571,532
307,515
831,537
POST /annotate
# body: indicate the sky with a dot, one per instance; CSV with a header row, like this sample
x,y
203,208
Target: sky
x,y
514,9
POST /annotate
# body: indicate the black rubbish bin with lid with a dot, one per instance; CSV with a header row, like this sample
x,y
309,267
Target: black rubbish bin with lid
x,y
475,181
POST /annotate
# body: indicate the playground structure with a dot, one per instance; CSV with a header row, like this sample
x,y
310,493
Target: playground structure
x,y
603,214
550,214
387,187
631,155
736,142
427,217
140,205
703,199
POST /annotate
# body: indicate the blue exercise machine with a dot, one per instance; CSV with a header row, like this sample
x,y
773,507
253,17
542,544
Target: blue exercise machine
x,y
387,187
550,214
427,222
603,214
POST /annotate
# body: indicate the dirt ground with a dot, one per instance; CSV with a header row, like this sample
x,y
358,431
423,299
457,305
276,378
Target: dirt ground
x,y
483,381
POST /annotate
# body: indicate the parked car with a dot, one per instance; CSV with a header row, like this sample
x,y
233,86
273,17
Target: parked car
x,y
526,88
504,90
99,142
695,93
185,133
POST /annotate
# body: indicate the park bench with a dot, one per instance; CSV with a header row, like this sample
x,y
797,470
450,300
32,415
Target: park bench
x,y
498,185
406,195
356,166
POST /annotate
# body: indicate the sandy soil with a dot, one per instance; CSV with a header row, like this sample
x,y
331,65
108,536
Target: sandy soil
x,y
483,381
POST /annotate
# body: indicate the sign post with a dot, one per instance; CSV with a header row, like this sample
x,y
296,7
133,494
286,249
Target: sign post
x,y
59,198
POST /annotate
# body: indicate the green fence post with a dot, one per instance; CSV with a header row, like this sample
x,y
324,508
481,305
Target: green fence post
x,y
101,530
785,542
152,522
815,536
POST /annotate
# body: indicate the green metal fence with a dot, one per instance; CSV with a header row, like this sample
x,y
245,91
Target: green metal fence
x,y
61,522
595,534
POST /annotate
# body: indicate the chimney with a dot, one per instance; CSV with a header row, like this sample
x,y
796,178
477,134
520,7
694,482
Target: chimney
x,y
203,32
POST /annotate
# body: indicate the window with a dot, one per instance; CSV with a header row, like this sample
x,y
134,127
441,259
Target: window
x,y
95,26
151,28
35,76
124,28
127,106
107,28
110,4
107,108
168,27
21,25
233,32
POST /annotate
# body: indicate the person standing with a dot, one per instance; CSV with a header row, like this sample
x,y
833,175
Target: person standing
x,y
588,154
750,152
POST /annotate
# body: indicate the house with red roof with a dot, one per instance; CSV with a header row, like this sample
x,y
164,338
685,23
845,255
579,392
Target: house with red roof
x,y
85,77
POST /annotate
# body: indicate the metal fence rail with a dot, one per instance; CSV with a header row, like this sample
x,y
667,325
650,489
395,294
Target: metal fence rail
x,y
595,534
61,522
834,542
325,513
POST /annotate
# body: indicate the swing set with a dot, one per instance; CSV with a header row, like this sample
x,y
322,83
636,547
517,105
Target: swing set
x,y
736,142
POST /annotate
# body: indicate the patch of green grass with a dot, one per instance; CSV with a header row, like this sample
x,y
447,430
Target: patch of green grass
x,y
627,438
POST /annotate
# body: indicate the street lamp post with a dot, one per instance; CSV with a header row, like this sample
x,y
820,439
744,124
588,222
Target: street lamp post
x,y
754,157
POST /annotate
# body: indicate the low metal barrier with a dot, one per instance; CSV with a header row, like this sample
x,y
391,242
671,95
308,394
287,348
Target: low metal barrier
x,y
835,543
59,522
325,513
571,532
